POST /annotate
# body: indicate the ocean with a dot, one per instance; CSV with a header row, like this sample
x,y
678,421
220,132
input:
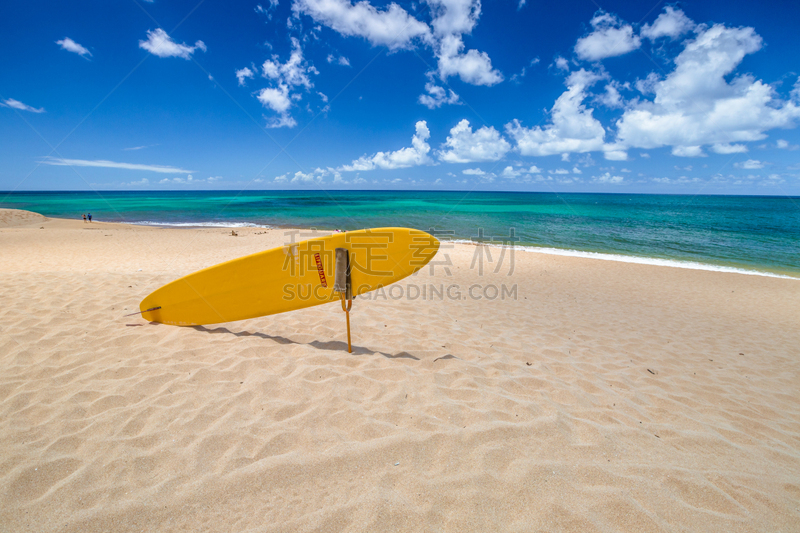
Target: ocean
x,y
749,234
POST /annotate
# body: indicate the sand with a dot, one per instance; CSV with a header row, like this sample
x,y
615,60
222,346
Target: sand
x,y
604,397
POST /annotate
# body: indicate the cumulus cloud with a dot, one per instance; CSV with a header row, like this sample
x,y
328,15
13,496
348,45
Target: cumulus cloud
x,y
750,164
57,161
294,72
160,44
16,104
510,172
465,146
71,46
696,105
610,38
243,75
437,96
392,27
783,144
671,23
316,176
473,172
572,127
286,78
396,29
472,67
277,99
611,97
727,148
561,63
415,155
607,178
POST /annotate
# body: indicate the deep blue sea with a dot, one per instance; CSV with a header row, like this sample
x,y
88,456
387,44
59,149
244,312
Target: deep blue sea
x,y
751,233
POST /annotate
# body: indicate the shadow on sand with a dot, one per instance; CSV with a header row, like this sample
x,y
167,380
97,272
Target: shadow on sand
x,y
334,346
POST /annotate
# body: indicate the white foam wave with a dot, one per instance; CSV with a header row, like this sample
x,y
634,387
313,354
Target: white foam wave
x,y
692,265
200,224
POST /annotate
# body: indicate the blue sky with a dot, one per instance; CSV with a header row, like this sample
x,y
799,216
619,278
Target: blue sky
x,y
694,97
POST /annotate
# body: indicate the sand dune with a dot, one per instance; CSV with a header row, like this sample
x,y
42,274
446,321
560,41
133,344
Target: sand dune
x,y
19,217
605,397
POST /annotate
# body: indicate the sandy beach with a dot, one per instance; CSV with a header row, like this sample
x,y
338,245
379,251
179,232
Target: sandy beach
x,y
587,396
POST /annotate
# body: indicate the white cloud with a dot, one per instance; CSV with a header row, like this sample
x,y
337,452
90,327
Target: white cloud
x,y
559,171
244,74
682,180
576,170
727,148
535,170
71,46
16,104
160,44
392,27
191,180
464,146
397,29
276,99
437,96
111,164
671,23
561,63
572,127
415,155
140,147
510,172
473,67
473,172
341,60
695,105
615,155
611,97
273,4
286,76
316,175
750,164
608,178
517,77
688,151
784,145
610,38
292,73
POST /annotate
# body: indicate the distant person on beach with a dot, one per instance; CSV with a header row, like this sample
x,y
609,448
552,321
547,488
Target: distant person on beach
x,y
90,217
84,218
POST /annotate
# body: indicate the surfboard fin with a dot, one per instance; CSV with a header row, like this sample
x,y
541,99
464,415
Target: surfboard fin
x,y
343,286
145,311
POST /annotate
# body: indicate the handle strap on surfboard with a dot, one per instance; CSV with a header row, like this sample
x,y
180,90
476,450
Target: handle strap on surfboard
x,y
343,286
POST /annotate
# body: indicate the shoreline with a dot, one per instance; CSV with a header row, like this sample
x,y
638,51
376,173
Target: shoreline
x,y
562,252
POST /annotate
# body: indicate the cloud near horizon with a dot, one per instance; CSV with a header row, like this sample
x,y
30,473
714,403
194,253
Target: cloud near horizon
x,y
56,161
415,155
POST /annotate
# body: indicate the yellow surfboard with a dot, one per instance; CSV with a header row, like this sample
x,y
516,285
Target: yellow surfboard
x,y
291,277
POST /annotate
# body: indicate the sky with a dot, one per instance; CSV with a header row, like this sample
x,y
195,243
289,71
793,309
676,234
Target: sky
x,y
699,97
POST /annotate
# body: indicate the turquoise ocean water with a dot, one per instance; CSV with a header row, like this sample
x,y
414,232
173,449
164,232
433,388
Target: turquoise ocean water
x,y
750,233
